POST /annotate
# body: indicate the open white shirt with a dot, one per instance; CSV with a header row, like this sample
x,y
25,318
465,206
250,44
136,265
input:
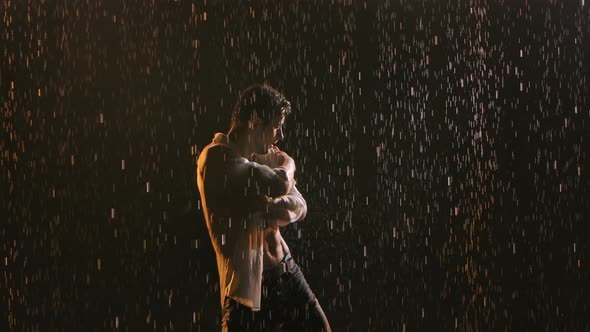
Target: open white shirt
x,y
237,240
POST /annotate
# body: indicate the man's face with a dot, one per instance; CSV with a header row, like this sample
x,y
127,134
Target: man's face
x,y
269,134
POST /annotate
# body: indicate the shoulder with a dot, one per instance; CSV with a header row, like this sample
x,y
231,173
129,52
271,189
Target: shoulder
x,y
216,155
215,152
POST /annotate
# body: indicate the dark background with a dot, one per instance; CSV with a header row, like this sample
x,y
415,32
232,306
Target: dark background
x,y
442,148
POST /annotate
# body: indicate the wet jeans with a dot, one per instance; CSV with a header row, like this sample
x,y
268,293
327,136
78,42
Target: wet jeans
x,y
288,304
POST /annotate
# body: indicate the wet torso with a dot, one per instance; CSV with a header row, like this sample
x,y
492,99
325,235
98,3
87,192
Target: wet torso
x,y
275,248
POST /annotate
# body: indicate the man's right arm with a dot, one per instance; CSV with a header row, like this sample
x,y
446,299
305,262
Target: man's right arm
x,y
287,209
278,159
251,178
245,185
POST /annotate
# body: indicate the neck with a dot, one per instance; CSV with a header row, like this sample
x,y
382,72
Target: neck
x,y
242,142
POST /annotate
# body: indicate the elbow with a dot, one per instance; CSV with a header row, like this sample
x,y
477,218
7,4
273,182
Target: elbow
x,y
303,214
303,209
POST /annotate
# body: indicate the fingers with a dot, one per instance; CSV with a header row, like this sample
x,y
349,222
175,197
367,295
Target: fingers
x,y
281,158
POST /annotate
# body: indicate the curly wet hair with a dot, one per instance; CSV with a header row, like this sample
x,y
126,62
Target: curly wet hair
x,y
259,102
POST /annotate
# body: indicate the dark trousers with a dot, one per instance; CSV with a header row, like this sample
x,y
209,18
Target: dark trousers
x,y
288,304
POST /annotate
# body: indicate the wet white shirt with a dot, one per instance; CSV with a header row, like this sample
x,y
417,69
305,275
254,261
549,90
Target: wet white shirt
x,y
237,238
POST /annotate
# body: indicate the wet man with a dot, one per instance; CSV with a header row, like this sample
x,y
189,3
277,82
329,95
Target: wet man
x,y
248,192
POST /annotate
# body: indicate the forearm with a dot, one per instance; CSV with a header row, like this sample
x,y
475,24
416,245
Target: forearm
x,y
287,176
288,208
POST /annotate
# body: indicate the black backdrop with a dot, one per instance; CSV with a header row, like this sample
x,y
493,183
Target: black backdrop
x,y
442,149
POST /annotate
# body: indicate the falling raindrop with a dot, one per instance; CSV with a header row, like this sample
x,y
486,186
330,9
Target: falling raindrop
x,y
441,148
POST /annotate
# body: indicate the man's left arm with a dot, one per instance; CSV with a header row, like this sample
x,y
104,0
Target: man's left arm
x,y
287,209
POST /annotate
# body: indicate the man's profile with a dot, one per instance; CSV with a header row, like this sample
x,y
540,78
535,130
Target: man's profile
x,y
248,192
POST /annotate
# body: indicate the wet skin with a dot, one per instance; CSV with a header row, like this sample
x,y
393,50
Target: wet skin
x,y
272,133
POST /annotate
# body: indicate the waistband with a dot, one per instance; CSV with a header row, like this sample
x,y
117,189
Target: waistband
x,y
285,265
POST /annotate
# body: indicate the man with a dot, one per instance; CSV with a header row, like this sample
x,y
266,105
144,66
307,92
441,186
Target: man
x,y
245,202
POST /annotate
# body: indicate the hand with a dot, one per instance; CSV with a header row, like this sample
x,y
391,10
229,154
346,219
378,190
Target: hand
x,y
278,212
275,158
263,203
270,158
